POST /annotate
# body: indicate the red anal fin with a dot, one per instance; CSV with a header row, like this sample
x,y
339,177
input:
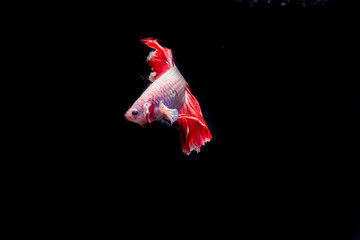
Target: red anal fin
x,y
148,111
192,127
183,116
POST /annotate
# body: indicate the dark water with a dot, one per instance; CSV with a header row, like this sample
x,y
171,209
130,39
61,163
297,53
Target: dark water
x,y
278,89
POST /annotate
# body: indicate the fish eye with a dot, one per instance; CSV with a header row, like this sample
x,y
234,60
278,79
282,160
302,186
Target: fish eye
x,y
135,112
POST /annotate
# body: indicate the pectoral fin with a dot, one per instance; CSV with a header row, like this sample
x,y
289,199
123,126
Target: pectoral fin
x,y
170,114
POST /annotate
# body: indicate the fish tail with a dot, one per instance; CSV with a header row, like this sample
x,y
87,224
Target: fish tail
x,y
160,60
192,127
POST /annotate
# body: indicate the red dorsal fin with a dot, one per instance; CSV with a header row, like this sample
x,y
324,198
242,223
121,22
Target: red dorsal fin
x,y
192,127
159,60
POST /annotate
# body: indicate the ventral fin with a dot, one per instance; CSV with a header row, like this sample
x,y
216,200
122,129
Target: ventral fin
x,y
171,114
148,111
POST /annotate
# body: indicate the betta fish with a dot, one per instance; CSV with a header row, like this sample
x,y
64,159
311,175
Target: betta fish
x,y
168,98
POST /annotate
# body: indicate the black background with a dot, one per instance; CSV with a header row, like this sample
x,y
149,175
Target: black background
x,y
277,87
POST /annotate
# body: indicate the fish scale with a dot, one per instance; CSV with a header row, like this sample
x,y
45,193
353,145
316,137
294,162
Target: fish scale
x,y
161,89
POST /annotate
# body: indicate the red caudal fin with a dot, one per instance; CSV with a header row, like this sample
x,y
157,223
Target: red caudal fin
x,y
191,124
159,60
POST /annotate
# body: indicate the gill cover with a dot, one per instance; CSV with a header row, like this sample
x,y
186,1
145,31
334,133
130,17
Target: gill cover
x,y
148,111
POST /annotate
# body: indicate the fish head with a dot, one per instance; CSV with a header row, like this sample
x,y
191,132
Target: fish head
x,y
136,114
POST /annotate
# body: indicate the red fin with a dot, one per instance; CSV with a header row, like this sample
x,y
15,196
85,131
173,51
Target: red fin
x,y
160,60
191,124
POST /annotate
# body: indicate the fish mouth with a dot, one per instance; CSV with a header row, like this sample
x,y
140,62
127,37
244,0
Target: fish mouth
x,y
128,116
